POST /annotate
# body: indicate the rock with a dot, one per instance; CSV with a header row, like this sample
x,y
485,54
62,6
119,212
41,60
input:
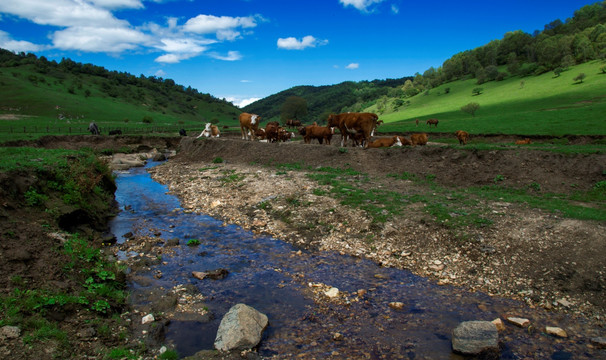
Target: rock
x,y
521,322
396,305
556,331
240,328
499,324
337,336
474,337
172,242
217,274
332,292
599,342
9,332
159,157
563,302
149,318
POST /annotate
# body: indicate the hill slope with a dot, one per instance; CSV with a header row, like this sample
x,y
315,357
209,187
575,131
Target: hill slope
x,y
41,93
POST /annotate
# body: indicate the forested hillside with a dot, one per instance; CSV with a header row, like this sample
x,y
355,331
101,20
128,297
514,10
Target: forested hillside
x,y
35,87
559,46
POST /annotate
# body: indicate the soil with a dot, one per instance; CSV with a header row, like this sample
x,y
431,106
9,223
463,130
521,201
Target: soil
x,y
537,256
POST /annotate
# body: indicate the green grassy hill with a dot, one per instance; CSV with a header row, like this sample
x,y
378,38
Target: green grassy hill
x,y
533,105
52,99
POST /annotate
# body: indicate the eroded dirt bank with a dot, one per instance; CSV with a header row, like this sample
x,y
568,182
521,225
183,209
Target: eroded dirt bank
x,y
539,257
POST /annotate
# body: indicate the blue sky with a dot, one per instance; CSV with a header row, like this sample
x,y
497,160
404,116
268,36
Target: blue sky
x,y
244,50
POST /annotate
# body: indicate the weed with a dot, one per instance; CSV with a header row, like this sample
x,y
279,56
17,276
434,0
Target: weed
x,y
193,242
33,198
498,178
217,160
293,201
535,186
170,355
600,185
342,150
265,205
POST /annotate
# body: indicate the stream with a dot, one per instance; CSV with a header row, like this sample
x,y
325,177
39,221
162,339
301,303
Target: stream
x,y
287,284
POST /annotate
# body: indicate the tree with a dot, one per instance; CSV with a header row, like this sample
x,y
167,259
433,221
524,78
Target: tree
x,y
579,77
471,108
477,91
294,107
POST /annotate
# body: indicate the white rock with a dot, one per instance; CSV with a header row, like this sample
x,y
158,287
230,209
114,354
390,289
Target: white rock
x,y
148,319
332,292
552,330
521,322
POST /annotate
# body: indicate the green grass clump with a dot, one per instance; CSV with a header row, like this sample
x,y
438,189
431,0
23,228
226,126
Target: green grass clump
x,y
193,242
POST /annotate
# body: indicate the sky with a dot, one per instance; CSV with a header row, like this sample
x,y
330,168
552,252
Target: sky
x,y
245,50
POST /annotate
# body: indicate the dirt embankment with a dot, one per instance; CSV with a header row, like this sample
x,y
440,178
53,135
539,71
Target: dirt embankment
x,y
525,253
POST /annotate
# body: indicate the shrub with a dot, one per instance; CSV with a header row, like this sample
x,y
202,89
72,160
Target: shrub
x,y
147,119
217,160
477,91
471,108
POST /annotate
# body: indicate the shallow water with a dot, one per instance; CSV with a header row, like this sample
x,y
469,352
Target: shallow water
x,y
273,277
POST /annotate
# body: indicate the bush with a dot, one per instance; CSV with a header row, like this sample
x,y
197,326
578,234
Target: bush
x,y
147,119
471,108
477,91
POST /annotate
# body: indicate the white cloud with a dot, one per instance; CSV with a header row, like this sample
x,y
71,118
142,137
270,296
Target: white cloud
x,y
94,39
209,24
8,43
395,9
160,73
245,81
231,56
352,66
361,5
92,26
292,43
63,13
241,102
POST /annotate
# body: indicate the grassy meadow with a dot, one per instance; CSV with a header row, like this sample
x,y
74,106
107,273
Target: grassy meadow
x,y
35,104
533,105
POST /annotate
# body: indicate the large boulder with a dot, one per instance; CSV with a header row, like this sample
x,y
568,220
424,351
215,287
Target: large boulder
x,y
240,328
475,337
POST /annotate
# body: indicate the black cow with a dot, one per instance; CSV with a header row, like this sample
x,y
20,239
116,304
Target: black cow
x,y
182,132
115,132
94,129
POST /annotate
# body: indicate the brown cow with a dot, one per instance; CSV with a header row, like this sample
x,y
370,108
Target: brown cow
x,y
463,136
417,121
354,123
432,122
293,123
249,123
418,139
272,131
523,142
260,133
385,142
404,141
322,133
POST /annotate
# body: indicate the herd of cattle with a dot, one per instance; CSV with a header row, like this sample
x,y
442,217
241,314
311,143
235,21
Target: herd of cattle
x,y
358,128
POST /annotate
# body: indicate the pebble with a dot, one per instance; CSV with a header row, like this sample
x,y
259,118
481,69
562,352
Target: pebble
x,y
499,324
556,331
147,319
396,305
521,322
332,292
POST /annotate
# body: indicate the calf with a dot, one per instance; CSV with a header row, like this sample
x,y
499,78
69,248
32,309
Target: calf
x,y
418,139
463,136
210,131
385,142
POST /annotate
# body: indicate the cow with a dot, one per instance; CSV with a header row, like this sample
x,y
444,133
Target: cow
x,y
322,133
432,122
260,133
417,121
385,142
404,141
284,135
523,142
354,123
94,129
418,139
293,123
463,136
210,130
115,132
272,131
182,132
249,123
